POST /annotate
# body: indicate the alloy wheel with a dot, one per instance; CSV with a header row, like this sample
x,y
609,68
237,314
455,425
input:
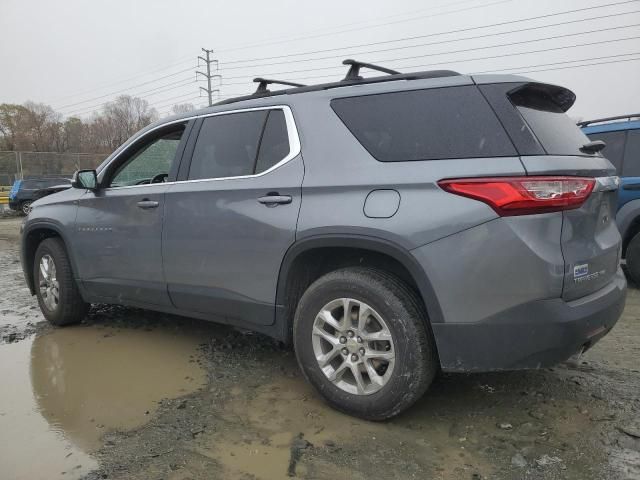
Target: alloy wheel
x,y
48,282
353,346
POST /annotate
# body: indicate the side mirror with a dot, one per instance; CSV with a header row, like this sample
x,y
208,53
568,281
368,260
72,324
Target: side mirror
x,y
85,179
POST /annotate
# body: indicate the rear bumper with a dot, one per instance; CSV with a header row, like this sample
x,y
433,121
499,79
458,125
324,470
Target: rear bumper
x,y
533,335
14,204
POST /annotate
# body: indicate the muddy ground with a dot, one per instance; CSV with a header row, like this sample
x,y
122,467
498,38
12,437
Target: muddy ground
x,y
130,394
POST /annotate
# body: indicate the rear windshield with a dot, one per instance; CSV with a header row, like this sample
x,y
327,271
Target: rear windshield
x,y
433,124
543,109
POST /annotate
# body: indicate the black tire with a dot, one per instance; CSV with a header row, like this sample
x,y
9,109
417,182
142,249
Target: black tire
x,y
633,259
416,361
70,308
25,207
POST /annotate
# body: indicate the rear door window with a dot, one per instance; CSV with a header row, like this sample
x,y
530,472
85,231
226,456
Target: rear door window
x,y
240,144
631,162
227,145
432,124
543,107
614,151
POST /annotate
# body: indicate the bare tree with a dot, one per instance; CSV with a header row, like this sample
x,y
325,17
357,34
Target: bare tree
x,y
126,115
182,108
37,127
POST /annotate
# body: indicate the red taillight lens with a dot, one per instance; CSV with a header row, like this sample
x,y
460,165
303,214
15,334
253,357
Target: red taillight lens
x,y
523,195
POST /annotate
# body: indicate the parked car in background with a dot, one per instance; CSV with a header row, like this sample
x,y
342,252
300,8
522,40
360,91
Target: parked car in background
x,y
43,192
25,192
622,136
387,227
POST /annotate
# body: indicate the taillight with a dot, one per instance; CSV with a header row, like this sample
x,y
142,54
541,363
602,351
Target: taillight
x,y
523,195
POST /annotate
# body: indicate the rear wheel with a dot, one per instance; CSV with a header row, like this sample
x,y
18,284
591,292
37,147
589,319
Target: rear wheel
x,y
361,339
633,258
56,289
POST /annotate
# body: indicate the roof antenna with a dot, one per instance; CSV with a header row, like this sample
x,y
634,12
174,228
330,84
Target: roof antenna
x,y
263,83
355,66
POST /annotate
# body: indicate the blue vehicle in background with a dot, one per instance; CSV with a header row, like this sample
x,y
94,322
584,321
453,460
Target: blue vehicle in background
x,y
24,192
622,136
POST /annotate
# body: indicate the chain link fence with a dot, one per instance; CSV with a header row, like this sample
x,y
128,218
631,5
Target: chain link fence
x,y
21,165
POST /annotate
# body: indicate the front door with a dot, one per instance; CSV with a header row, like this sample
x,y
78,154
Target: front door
x,y
229,224
119,227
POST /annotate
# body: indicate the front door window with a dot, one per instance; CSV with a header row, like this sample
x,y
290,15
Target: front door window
x,y
151,163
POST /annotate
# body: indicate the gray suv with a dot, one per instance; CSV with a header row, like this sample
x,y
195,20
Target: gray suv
x,y
387,227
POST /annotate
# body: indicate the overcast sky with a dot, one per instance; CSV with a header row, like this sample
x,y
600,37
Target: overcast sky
x,y
77,54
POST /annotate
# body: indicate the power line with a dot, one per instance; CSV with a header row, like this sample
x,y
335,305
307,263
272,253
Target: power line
x,y
382,42
150,93
460,30
489,57
518,69
455,40
306,37
188,61
125,90
572,66
353,46
117,82
607,57
521,42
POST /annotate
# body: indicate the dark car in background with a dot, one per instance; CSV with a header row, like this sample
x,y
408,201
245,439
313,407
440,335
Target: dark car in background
x,y
25,192
622,136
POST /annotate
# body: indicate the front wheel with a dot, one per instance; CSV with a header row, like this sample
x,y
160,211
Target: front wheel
x,y
56,289
362,340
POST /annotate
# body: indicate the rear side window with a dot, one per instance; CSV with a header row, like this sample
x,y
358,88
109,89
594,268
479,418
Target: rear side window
x,y
274,146
632,155
433,124
543,107
239,144
614,151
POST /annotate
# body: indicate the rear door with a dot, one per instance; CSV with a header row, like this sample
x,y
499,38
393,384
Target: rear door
x,y
230,221
590,239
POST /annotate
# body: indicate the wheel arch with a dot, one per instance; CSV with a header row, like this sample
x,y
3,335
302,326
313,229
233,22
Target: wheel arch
x,y
628,221
309,258
32,236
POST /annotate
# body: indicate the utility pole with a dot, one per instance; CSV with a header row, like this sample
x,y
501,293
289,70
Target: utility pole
x,y
209,76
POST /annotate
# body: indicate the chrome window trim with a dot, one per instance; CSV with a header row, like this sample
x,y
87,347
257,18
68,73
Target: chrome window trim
x,y
292,133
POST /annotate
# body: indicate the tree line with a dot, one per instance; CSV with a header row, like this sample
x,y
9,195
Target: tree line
x,y
39,128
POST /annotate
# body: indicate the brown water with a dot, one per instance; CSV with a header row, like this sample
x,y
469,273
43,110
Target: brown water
x,y
63,390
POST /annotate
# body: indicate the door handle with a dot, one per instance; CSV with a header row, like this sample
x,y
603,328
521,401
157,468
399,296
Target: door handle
x,y
147,204
273,200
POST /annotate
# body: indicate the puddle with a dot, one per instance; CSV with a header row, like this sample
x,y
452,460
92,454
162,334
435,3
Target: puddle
x,y
64,389
31,449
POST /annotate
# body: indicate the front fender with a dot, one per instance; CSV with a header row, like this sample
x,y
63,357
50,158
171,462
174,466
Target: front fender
x,y
35,231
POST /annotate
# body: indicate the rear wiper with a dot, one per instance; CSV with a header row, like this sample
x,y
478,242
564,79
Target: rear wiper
x,y
593,147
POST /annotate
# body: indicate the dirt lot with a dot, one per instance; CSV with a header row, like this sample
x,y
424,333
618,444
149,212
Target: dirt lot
x,y
131,394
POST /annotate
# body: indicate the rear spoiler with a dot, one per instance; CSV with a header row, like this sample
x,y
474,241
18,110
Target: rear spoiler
x,y
527,94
